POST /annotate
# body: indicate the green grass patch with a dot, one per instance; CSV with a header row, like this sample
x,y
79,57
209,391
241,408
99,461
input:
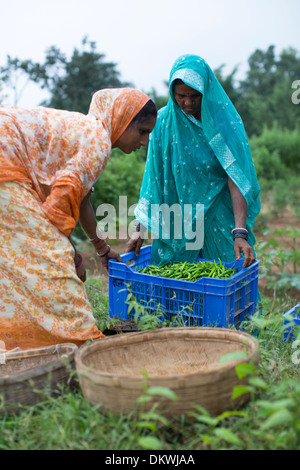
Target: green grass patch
x,y
270,420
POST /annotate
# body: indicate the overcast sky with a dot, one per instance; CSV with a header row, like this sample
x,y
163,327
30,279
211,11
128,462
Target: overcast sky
x,y
144,37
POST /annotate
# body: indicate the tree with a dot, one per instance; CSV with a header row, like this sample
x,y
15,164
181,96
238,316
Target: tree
x,y
2,95
228,83
71,83
159,100
16,75
265,94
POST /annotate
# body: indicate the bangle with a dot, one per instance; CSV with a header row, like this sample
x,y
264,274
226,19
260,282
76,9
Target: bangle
x,y
98,243
96,240
240,235
80,261
240,232
101,255
239,228
139,227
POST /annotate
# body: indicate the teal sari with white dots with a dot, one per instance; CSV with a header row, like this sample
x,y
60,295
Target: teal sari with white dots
x,y
187,168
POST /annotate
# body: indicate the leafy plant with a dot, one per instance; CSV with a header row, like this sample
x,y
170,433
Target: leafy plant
x,y
279,255
150,315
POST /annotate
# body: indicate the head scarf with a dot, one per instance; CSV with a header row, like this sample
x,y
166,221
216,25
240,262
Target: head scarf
x,y
222,125
189,162
61,154
116,108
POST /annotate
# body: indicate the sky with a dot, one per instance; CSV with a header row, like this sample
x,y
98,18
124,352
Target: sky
x,y
144,37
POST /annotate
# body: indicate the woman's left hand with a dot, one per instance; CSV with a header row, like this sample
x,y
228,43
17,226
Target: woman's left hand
x,y
80,270
242,246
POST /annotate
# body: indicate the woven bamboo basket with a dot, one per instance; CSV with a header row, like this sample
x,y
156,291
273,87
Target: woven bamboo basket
x,y
114,371
26,377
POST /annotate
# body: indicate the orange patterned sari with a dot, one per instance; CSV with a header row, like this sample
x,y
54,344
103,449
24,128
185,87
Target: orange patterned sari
x,y
49,160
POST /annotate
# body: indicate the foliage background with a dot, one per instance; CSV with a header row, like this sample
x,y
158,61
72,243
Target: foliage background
x,y
263,99
271,420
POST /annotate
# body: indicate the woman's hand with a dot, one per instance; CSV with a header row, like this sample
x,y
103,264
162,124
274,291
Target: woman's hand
x,y
80,269
112,254
242,246
81,273
135,243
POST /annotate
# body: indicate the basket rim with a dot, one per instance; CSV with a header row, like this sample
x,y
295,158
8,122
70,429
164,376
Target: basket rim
x,y
206,279
66,349
84,369
291,310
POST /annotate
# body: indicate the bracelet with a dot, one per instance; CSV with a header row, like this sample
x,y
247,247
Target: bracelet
x,y
98,243
240,235
239,228
104,254
96,240
139,227
80,261
240,232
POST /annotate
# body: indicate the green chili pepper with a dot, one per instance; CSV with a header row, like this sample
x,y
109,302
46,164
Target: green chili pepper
x,y
190,271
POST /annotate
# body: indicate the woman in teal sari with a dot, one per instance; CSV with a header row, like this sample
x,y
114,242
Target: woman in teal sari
x,y
199,163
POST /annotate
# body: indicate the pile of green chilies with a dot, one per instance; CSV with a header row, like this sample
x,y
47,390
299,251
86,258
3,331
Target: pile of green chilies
x,y
186,271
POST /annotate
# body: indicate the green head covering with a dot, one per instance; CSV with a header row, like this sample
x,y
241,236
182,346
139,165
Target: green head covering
x,y
187,168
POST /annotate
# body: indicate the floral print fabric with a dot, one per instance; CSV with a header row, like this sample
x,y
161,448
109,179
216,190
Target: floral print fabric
x,y
60,153
49,160
42,301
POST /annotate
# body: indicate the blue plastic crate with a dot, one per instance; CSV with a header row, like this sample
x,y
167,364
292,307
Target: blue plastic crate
x,y
290,319
207,302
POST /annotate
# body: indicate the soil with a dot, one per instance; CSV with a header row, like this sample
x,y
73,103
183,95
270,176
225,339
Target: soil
x,y
278,223
121,326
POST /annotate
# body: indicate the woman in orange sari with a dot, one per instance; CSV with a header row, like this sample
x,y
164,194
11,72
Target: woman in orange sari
x,y
49,161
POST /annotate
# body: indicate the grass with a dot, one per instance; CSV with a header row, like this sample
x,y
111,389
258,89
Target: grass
x,y
270,420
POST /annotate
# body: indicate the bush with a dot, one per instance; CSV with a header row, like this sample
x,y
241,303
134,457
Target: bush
x,y
268,164
276,157
122,177
276,151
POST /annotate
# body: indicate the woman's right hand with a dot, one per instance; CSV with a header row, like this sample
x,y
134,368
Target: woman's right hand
x,y
112,254
135,243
